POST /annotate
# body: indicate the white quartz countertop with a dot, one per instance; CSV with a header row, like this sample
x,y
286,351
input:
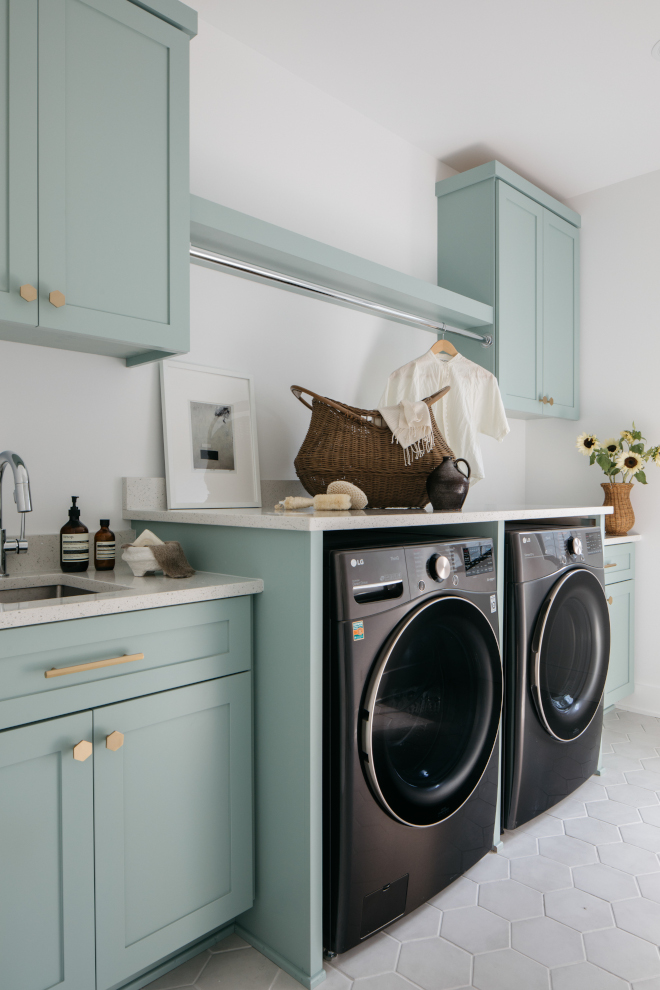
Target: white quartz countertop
x,y
309,520
612,541
116,591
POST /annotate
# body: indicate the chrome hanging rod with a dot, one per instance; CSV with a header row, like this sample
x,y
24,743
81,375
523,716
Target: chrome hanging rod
x,y
233,264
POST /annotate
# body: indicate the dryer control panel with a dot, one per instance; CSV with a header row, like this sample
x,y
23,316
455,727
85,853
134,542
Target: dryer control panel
x,y
535,553
373,580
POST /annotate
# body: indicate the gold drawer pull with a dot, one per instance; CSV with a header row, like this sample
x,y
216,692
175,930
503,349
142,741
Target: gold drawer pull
x,y
94,665
609,565
82,750
56,298
114,741
610,600
28,292
546,401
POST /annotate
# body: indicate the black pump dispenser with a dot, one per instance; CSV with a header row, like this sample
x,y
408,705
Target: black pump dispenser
x,y
74,542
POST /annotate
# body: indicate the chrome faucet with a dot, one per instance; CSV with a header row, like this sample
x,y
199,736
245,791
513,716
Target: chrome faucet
x,y
23,505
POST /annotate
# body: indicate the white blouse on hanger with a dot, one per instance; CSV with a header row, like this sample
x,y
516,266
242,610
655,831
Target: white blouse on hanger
x,y
473,405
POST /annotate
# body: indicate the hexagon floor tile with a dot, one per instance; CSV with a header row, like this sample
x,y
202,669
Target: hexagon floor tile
x,y
581,913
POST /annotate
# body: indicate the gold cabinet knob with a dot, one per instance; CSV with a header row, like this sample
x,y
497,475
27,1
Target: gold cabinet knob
x,y
56,298
610,600
544,400
82,750
114,741
551,401
28,292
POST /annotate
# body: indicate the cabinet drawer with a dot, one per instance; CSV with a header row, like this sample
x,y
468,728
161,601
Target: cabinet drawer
x,y
180,644
619,562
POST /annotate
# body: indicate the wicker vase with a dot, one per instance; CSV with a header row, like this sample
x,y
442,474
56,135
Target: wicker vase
x,y
623,517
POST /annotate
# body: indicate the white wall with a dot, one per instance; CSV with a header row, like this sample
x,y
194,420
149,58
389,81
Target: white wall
x,y
268,144
620,343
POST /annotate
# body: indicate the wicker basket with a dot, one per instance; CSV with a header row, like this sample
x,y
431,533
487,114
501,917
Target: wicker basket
x,y
344,443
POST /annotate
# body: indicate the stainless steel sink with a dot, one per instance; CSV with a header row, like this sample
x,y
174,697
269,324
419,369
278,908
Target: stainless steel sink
x,y
41,593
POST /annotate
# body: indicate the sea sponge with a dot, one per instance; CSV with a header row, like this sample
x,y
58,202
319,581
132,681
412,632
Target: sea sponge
x,y
358,498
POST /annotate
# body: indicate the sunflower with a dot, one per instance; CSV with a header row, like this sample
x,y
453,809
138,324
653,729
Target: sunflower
x,y
629,463
627,436
611,446
587,443
656,458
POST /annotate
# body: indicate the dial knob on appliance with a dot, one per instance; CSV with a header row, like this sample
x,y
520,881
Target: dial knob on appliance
x,y
439,567
575,546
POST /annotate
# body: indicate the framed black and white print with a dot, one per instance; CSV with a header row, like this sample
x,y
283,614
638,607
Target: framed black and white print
x,y
210,436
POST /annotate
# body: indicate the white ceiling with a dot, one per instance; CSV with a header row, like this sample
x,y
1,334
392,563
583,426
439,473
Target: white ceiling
x,y
563,91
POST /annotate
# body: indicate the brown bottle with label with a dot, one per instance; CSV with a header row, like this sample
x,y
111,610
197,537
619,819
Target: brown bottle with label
x,y
104,547
74,542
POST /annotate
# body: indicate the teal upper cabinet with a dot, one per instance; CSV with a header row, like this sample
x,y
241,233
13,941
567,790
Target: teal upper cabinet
x,y
19,264
111,179
507,243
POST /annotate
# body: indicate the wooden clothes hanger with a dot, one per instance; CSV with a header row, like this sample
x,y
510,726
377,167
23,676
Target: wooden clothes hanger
x,y
443,346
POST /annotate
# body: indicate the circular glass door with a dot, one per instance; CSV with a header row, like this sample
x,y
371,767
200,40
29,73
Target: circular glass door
x,y
431,711
570,654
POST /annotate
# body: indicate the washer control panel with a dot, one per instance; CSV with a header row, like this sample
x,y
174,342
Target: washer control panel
x,y
534,553
466,564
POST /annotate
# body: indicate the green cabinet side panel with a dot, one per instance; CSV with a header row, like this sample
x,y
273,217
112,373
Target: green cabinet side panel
x,y
173,822
286,920
621,675
560,316
519,309
113,174
466,256
46,857
18,159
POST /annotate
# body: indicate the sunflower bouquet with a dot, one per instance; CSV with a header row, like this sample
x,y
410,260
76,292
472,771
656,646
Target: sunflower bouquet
x,y
626,455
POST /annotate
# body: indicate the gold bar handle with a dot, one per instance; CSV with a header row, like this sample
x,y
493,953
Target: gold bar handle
x,y
610,600
608,565
94,665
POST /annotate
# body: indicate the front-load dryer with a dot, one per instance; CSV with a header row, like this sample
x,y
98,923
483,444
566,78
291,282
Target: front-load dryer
x,y
557,645
414,691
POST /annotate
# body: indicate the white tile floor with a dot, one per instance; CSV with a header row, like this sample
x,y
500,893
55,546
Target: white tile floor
x,y
571,902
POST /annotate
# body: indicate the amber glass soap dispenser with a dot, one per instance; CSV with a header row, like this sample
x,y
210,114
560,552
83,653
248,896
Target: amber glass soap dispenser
x,y
104,547
74,542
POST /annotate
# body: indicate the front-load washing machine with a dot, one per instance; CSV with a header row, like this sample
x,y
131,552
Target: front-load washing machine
x,y
557,645
414,691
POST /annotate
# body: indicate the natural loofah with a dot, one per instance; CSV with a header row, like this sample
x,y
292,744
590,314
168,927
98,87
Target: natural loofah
x,y
325,502
358,498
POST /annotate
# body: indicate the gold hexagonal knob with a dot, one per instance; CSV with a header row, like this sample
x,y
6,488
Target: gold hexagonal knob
x,y
56,298
28,292
114,741
82,750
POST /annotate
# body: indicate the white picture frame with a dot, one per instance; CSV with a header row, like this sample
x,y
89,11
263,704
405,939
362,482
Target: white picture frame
x,y
210,437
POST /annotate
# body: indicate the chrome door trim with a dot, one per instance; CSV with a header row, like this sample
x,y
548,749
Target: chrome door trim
x,y
537,645
370,704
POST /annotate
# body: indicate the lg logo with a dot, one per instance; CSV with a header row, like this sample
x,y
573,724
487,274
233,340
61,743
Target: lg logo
x,y
527,539
356,563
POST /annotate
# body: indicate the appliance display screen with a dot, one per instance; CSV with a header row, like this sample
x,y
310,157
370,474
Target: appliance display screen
x,y
478,558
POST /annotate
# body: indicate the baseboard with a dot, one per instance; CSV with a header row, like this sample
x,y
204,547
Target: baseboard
x,y
645,700
183,956
307,981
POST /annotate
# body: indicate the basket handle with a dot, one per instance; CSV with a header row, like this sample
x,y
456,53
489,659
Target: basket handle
x,y
436,395
298,391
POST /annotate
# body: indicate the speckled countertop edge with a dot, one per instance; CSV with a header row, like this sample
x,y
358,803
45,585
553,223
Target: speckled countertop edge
x,y
129,594
308,520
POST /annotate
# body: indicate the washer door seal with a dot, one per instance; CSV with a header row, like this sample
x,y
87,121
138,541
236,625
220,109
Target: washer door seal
x,y
570,655
431,711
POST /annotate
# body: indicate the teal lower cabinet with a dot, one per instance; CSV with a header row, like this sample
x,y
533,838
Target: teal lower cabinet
x,y
172,822
126,831
620,591
46,857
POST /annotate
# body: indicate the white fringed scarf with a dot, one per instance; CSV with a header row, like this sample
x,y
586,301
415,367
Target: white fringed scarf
x,y
410,423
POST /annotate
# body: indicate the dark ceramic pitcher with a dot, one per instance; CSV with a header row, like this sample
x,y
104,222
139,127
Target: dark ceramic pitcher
x,y
447,487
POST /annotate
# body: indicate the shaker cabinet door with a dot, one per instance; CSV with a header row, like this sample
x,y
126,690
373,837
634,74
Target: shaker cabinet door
x,y
520,305
113,176
560,316
47,857
173,825
18,163
621,675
